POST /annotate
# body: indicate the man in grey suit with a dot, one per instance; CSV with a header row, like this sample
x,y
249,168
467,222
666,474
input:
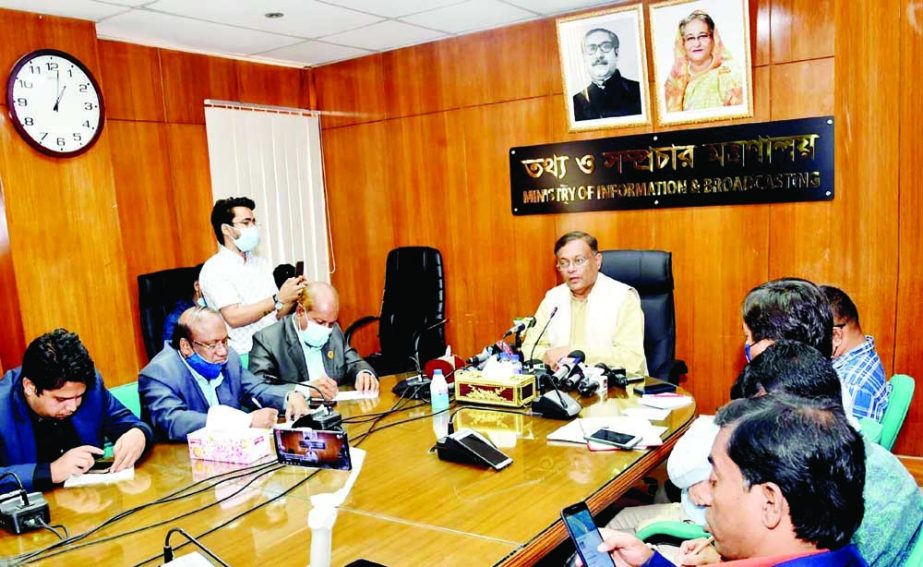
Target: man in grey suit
x,y
198,371
309,347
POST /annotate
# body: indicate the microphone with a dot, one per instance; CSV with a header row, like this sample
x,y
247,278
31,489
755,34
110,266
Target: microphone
x,y
545,328
567,368
587,384
482,357
522,325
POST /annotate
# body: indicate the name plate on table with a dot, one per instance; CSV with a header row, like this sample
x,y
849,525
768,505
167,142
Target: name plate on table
x,y
516,391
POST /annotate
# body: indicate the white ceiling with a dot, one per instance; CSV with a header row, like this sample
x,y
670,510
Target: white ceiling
x,y
311,32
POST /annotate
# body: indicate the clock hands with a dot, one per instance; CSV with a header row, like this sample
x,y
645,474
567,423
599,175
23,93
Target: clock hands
x,y
58,101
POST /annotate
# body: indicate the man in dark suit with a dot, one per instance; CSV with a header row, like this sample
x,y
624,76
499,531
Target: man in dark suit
x,y
198,371
610,94
55,414
308,346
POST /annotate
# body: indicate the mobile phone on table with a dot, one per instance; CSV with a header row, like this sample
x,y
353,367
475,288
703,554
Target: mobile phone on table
x,y
100,466
585,535
487,453
614,438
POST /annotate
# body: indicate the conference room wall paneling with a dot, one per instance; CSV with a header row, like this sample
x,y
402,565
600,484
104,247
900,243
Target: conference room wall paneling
x,y
13,342
190,79
132,87
147,221
804,29
187,145
265,84
908,346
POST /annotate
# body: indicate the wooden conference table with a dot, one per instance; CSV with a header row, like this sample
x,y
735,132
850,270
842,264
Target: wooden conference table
x,y
406,508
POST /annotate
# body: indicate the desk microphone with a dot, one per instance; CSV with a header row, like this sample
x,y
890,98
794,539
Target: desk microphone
x,y
482,356
545,328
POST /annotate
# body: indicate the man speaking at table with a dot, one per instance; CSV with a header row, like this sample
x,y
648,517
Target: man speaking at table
x,y
590,312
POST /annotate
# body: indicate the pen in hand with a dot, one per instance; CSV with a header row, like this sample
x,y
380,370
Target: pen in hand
x,y
256,402
698,549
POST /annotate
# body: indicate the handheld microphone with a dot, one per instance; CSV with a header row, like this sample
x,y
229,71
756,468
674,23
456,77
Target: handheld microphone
x,y
523,324
482,356
568,367
545,328
587,384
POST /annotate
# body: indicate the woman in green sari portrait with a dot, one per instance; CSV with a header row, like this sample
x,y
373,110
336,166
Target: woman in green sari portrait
x,y
704,74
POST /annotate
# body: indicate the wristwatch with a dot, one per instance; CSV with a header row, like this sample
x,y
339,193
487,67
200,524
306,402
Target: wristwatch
x,y
279,304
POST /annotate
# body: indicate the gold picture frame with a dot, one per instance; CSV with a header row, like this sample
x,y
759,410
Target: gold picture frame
x,y
604,88
704,73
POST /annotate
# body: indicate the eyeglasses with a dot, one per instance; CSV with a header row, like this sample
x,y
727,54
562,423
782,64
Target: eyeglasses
x,y
577,263
839,325
212,347
605,47
697,38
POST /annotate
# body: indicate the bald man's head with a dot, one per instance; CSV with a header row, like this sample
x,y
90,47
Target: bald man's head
x,y
320,303
201,327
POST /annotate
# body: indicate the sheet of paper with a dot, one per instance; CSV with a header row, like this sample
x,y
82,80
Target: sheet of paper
x,y
577,430
226,417
94,478
651,414
351,395
665,402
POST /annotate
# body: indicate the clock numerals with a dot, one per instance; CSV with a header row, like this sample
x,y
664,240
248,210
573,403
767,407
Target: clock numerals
x,y
55,103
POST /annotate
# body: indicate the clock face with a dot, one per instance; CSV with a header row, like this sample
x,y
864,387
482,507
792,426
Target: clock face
x,y
55,103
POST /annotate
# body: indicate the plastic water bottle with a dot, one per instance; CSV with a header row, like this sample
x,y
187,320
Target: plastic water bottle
x,y
439,392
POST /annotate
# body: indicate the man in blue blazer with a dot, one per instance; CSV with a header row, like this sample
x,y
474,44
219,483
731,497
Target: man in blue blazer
x,y
197,371
55,414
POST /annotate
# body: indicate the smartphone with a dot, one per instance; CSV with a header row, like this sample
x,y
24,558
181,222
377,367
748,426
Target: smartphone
x,y
614,438
101,466
585,535
654,386
490,455
299,268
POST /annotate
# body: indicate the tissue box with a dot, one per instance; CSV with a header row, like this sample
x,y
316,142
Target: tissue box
x,y
241,446
515,391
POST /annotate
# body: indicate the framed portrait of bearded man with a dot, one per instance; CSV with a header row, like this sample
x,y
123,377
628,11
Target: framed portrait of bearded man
x,y
604,68
701,55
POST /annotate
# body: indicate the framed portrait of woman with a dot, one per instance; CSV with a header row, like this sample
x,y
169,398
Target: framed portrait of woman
x,y
604,68
701,52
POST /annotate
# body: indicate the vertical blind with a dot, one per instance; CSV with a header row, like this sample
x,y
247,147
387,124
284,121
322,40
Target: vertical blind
x,y
273,156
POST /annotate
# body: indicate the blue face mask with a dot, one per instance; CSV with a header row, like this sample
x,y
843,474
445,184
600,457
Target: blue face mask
x,y
315,335
747,351
208,370
248,240
201,302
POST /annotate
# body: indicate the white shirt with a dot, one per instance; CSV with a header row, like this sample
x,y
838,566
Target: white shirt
x,y
226,279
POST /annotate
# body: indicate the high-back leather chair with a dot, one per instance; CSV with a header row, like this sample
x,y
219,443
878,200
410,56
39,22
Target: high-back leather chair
x,y
651,273
412,318
157,294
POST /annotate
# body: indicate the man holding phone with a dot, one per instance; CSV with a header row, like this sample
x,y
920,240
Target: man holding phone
x,y
56,414
765,500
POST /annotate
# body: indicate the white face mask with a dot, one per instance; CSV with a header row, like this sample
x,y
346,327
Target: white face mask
x,y
248,240
315,335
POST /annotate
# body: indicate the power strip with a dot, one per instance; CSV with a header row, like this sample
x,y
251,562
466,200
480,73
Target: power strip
x,y
17,517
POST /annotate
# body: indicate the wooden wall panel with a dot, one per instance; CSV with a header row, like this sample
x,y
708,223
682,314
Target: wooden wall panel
x,y
352,92
69,262
192,192
131,81
13,343
908,346
144,194
188,80
803,29
265,84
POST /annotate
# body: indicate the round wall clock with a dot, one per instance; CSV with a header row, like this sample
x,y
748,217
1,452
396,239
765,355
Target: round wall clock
x,y
55,103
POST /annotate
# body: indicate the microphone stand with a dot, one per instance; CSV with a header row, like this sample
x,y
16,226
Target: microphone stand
x,y
414,387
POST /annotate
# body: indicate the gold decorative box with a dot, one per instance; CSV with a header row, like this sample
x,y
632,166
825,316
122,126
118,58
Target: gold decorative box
x,y
515,391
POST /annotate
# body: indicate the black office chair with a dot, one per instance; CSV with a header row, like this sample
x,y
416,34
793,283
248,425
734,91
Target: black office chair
x,y
411,326
651,273
157,294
